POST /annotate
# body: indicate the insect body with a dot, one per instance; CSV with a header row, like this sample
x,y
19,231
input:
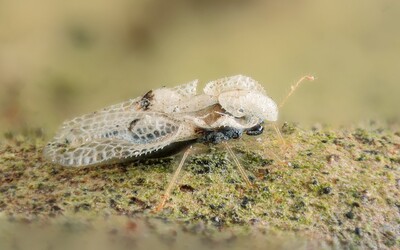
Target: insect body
x,y
162,122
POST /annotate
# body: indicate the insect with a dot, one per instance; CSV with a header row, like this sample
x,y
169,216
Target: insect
x,y
162,122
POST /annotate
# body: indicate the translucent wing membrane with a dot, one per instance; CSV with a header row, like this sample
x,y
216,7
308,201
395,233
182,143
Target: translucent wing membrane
x,y
238,82
189,89
104,138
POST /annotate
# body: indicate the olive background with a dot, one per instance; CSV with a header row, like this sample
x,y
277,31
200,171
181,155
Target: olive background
x,y
59,59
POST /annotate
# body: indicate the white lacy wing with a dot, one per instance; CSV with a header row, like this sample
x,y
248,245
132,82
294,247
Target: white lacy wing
x,y
116,137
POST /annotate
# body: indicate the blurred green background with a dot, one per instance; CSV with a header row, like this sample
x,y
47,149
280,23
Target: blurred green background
x,y
59,59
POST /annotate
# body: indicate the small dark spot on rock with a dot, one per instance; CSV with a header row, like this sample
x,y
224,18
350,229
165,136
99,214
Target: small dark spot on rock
x,y
217,221
358,231
255,221
200,217
251,178
389,167
246,202
135,201
365,196
186,188
54,171
113,203
140,181
83,206
327,190
278,214
372,152
184,210
56,208
217,207
202,165
294,165
266,162
332,158
350,215
262,173
51,200
265,189
298,206
113,231
362,157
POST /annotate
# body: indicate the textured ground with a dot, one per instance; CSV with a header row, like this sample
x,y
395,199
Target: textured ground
x,y
325,188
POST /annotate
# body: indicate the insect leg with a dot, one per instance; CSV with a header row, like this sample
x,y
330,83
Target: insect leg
x,y
240,167
172,182
278,132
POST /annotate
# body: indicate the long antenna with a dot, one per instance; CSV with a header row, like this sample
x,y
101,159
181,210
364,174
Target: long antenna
x,y
283,102
294,87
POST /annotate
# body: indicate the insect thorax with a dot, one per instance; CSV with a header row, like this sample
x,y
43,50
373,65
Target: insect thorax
x,y
219,135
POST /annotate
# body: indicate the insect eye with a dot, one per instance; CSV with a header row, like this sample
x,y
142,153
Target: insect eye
x,y
144,103
256,130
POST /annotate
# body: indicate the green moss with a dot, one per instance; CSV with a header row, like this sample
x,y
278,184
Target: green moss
x,y
322,182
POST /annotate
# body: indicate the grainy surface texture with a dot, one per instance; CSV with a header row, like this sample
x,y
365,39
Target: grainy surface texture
x,y
328,187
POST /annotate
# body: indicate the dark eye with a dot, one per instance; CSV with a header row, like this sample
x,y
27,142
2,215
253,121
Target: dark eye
x,y
144,103
256,130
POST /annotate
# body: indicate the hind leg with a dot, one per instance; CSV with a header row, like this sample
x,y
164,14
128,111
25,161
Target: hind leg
x,y
171,184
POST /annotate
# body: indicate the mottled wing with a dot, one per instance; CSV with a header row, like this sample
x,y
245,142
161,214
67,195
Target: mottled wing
x,y
238,82
170,100
112,136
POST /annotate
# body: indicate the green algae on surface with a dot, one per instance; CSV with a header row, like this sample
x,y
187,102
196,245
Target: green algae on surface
x,y
324,185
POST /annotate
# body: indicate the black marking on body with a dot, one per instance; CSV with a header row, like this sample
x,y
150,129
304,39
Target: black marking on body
x,y
170,149
145,102
220,135
256,130
132,124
